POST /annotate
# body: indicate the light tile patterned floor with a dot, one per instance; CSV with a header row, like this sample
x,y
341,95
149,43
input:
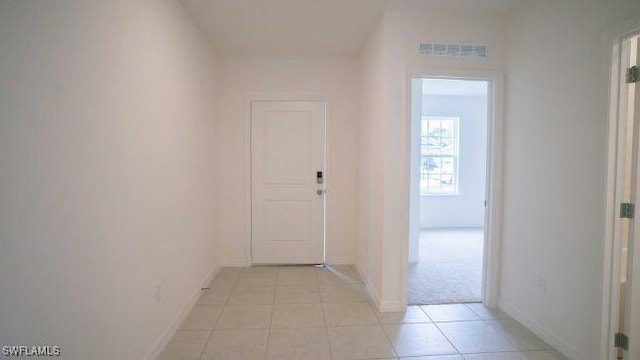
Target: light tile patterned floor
x,y
308,313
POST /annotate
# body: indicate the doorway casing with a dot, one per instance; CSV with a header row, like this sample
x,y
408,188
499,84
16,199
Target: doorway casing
x,y
613,238
491,259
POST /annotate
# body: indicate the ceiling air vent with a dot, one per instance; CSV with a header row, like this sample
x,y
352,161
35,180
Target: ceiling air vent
x,y
453,50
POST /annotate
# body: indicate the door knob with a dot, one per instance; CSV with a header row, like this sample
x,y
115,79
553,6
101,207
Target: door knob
x,y
319,191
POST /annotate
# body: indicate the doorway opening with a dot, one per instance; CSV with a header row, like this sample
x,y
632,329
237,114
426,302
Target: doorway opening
x,y
449,158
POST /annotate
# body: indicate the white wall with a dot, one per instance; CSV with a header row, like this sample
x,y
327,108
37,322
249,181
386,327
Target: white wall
x,y
465,209
371,161
107,173
555,168
333,79
389,59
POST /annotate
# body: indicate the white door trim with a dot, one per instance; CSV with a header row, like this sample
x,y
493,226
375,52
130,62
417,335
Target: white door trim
x,y
612,240
493,212
247,160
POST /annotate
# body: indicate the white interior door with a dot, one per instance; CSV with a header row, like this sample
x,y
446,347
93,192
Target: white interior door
x,y
288,182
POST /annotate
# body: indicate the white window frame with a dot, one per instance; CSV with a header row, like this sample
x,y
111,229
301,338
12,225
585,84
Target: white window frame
x,y
455,156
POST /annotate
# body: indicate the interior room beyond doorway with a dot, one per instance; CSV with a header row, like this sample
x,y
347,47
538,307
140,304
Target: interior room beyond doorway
x,y
449,162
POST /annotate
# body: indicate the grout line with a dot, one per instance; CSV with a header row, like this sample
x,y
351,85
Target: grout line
x,y
324,316
449,340
273,310
475,312
223,306
425,311
379,322
384,331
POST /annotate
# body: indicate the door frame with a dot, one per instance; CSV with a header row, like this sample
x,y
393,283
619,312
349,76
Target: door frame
x,y
612,238
493,209
281,97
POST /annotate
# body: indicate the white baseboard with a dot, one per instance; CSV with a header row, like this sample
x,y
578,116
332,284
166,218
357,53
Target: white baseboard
x,y
545,334
240,262
339,261
381,305
157,348
391,306
371,292
373,296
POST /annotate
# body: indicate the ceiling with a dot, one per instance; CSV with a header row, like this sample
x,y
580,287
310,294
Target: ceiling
x,y
306,27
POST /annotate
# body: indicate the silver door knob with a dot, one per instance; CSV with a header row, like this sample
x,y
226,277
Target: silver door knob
x,y
319,191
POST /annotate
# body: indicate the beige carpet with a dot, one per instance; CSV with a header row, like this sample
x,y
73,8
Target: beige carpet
x,y
450,267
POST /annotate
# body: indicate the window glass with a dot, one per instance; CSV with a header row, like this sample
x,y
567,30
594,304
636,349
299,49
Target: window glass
x,y
439,156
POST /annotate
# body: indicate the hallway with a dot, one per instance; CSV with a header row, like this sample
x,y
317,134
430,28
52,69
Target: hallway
x,y
135,170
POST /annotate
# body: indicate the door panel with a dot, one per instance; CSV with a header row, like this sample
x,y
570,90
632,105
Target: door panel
x,y
286,147
288,220
287,151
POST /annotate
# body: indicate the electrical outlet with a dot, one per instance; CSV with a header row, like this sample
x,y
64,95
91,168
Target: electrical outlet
x,y
542,283
157,295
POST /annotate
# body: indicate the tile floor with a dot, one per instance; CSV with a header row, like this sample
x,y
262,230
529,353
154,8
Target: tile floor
x,y
308,313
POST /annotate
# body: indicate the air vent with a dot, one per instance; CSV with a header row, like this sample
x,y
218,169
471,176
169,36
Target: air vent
x,y
453,50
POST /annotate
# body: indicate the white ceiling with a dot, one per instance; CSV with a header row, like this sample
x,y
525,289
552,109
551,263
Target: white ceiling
x,y
293,27
306,27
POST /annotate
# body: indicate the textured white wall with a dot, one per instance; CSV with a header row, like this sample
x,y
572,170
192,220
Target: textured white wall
x,y
333,79
555,161
107,173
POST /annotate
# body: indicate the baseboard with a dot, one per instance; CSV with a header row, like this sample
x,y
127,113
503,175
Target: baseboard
x,y
391,306
545,334
241,262
371,293
340,262
168,334
381,305
464,227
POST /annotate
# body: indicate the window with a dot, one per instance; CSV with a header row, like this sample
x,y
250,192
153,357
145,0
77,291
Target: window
x,y
439,156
